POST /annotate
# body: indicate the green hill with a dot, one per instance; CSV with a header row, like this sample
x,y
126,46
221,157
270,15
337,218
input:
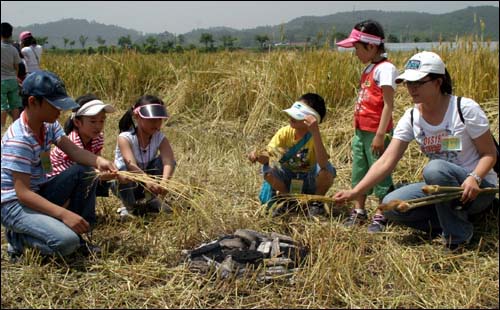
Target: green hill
x,y
399,26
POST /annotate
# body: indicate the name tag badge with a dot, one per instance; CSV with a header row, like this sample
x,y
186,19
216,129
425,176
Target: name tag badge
x,y
46,164
451,143
296,186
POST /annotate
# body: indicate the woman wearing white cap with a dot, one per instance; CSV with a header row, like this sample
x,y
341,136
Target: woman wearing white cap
x,y
84,127
454,133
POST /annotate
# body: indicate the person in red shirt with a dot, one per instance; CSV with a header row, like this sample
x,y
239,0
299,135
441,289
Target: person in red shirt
x,y
372,115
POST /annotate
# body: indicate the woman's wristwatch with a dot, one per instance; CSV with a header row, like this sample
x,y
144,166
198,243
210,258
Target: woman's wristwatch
x,y
476,177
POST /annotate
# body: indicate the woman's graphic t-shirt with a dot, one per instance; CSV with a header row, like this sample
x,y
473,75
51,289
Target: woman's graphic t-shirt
x,y
452,139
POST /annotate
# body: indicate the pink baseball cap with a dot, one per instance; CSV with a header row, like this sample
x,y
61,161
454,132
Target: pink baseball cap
x,y
25,34
358,36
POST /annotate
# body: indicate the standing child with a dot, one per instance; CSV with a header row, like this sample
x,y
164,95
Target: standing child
x,y
372,115
84,128
31,51
11,102
306,169
31,207
137,151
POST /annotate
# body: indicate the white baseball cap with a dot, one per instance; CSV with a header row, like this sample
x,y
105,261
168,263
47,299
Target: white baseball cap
x,y
420,65
92,108
299,110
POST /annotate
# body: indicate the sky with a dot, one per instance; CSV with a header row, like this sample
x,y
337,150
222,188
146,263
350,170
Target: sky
x,y
183,16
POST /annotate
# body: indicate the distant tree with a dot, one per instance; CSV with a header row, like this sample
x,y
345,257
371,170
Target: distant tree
x,y
228,41
181,39
167,46
179,49
207,38
282,33
42,40
262,40
151,45
100,41
83,40
392,39
102,49
66,41
319,37
125,42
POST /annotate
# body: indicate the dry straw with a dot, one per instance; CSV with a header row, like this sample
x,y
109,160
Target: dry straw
x,y
437,194
172,190
222,104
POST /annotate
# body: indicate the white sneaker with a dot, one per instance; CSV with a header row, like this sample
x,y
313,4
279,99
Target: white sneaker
x,y
124,214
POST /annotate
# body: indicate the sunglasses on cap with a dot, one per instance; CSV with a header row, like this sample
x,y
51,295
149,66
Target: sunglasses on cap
x,y
151,111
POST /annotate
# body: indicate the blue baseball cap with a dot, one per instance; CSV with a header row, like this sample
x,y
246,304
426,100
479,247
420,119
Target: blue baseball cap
x,y
49,86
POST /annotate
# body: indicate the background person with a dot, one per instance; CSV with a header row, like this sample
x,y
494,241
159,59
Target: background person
x,y
11,101
31,51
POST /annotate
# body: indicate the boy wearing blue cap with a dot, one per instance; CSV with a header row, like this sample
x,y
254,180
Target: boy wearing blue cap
x,y
47,215
304,166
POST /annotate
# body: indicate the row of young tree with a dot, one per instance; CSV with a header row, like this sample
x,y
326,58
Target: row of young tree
x,y
209,43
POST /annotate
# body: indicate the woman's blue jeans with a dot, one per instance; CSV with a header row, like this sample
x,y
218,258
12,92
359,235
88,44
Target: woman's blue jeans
x,y
445,218
26,227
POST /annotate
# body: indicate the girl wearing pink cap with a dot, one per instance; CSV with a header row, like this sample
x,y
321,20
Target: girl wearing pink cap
x,y
31,51
372,114
142,148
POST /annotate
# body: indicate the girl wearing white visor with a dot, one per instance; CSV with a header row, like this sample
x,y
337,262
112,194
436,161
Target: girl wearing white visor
x,y
304,166
143,148
85,128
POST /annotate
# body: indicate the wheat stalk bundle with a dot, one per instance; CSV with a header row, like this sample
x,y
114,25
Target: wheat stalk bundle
x,y
437,194
173,190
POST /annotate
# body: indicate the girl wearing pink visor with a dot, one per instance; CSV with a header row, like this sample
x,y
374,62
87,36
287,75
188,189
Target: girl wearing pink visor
x,y
143,148
372,114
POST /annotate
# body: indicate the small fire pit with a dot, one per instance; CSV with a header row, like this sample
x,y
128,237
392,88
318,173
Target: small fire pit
x,y
245,251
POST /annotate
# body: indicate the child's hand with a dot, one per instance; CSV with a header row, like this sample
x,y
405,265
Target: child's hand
x,y
123,179
106,176
343,196
74,221
262,159
155,188
105,165
312,123
252,156
378,145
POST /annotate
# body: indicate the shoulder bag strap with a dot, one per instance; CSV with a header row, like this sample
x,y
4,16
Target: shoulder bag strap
x,y
294,149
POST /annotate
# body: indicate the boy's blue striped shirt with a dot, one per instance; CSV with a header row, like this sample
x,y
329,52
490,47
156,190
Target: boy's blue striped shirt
x,y
21,153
